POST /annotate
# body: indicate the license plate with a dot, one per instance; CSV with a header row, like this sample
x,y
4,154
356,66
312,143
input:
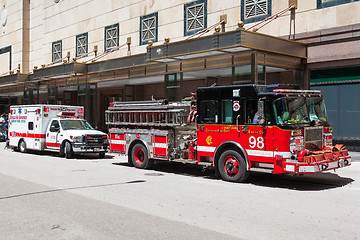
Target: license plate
x,y
97,149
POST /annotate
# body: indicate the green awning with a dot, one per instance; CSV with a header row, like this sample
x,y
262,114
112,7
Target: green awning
x,y
335,76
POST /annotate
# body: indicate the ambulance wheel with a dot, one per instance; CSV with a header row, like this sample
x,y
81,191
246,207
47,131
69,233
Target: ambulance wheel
x,y
68,150
22,146
140,157
232,166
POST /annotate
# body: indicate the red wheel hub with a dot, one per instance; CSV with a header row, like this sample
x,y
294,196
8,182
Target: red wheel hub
x,y
231,166
139,156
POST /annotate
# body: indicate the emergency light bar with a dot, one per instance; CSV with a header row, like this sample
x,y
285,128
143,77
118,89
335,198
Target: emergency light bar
x,y
297,91
66,114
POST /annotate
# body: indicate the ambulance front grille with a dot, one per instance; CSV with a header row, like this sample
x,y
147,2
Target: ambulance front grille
x,y
94,139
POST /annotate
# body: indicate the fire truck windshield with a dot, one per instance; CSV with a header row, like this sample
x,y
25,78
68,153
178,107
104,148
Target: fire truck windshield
x,y
317,109
71,124
291,110
299,110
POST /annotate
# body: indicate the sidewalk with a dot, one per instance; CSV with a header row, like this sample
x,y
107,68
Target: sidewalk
x,y
355,156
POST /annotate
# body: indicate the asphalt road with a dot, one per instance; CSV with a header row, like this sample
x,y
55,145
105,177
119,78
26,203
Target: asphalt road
x,y
43,196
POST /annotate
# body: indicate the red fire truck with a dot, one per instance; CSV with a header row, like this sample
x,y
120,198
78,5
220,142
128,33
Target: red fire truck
x,y
236,130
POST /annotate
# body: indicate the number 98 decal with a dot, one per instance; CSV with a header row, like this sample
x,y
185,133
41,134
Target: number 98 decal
x,y
256,142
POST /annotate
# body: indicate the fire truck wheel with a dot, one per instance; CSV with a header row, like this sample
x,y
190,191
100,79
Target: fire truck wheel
x,y
22,146
140,157
68,150
232,166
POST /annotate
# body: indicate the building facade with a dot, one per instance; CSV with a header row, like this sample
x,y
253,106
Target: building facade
x,y
91,52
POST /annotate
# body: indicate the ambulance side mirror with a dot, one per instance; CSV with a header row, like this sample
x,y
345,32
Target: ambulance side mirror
x,y
261,115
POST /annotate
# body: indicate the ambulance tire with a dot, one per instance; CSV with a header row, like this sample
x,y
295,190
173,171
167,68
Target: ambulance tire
x,y
68,151
232,166
140,157
22,146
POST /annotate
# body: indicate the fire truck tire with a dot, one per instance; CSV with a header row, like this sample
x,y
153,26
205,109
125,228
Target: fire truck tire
x,y
232,166
22,146
140,157
68,150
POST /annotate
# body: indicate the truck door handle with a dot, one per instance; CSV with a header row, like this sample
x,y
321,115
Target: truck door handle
x,y
237,123
47,134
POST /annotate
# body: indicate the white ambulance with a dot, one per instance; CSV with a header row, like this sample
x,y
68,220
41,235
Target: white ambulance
x,y
56,128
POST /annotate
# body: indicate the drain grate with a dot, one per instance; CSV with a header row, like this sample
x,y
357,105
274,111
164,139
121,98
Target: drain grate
x,y
154,174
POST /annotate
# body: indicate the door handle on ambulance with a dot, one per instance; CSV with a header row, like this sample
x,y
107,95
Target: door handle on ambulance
x,y
237,123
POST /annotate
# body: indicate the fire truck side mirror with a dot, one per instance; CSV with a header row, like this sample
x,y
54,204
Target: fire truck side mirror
x,y
261,115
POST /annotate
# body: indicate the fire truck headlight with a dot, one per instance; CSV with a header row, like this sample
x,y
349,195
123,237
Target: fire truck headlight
x,y
77,139
296,144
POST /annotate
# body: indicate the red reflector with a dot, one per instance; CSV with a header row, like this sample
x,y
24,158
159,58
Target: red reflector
x,y
297,141
80,111
46,109
38,111
104,136
71,137
138,135
10,111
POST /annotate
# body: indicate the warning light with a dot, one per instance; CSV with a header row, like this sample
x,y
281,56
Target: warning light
x,y
111,104
10,111
80,111
38,111
46,109
138,135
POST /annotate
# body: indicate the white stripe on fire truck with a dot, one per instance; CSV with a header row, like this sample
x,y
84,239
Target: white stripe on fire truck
x,y
259,153
206,149
120,142
160,145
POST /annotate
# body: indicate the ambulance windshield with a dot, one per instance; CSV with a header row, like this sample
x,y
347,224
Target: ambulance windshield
x,y
72,124
300,110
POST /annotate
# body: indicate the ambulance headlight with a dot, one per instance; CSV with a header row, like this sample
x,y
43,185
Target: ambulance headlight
x,y
77,139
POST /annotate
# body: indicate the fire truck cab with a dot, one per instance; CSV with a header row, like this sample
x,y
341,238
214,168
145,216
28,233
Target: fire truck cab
x,y
266,129
236,130
54,128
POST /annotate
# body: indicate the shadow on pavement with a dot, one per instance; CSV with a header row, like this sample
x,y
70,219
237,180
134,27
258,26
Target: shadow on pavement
x,y
70,188
314,182
88,156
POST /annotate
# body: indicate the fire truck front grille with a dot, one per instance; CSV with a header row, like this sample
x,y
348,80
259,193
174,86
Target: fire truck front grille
x,y
313,135
94,139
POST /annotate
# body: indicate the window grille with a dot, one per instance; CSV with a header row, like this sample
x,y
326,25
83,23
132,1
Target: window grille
x,y
148,29
255,8
56,51
195,17
111,37
81,45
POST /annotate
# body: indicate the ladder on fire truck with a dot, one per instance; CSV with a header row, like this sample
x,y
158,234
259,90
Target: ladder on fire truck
x,y
147,114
